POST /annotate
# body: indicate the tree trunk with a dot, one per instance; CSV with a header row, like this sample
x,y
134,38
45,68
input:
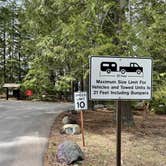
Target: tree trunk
x,y
127,115
19,61
4,54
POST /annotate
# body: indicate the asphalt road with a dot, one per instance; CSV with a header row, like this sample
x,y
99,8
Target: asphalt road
x,y
24,130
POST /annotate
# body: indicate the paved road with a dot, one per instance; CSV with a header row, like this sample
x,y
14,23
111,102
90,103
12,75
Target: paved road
x,y
24,129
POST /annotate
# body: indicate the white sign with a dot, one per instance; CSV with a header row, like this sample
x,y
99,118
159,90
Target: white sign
x,y
80,100
120,78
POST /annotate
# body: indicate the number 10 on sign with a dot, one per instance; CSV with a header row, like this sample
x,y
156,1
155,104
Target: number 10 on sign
x,y
80,100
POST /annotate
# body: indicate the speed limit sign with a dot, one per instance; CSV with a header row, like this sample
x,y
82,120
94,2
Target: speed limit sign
x,y
80,100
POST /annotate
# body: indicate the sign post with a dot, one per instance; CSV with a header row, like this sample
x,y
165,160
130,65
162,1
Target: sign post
x,y
82,128
118,133
120,78
80,100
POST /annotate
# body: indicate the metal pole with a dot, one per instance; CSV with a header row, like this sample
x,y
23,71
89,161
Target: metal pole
x,y
118,133
82,127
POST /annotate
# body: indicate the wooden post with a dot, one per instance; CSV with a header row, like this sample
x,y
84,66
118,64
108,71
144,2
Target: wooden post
x,y
82,127
7,93
145,110
118,133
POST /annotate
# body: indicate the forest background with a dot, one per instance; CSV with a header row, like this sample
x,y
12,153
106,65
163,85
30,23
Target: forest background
x,y
45,44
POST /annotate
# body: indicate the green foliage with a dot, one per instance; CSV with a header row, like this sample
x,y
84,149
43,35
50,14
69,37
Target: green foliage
x,y
38,79
64,84
159,100
56,38
147,37
11,58
63,40
160,94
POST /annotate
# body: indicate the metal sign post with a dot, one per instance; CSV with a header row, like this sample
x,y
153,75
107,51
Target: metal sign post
x,y
118,133
80,100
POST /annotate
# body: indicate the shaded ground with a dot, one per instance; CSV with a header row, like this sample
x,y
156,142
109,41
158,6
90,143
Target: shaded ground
x,y
143,145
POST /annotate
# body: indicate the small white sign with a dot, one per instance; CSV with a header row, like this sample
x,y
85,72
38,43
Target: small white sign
x,y
120,78
80,100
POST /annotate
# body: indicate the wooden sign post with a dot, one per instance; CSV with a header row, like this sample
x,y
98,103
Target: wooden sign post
x,y
118,133
82,127
80,100
120,78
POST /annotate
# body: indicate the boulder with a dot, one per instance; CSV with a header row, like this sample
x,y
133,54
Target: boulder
x,y
71,129
69,153
68,120
139,106
98,106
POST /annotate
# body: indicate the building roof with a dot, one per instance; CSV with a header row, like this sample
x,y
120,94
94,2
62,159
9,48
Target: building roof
x,y
11,85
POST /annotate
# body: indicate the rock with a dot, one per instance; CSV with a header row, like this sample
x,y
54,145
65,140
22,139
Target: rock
x,y
75,165
69,153
71,129
139,106
111,107
98,106
68,120
161,105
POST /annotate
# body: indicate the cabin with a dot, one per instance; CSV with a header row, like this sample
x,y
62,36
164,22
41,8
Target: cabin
x,y
12,90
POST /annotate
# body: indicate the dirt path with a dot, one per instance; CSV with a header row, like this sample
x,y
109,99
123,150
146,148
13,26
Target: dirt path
x,y
143,145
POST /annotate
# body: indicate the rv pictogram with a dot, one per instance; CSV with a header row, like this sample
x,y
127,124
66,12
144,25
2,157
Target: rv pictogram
x,y
108,67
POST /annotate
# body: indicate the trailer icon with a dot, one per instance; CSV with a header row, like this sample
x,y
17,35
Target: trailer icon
x,y
112,66
108,66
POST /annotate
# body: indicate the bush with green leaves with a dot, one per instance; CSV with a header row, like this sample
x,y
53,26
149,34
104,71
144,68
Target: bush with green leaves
x,y
159,100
